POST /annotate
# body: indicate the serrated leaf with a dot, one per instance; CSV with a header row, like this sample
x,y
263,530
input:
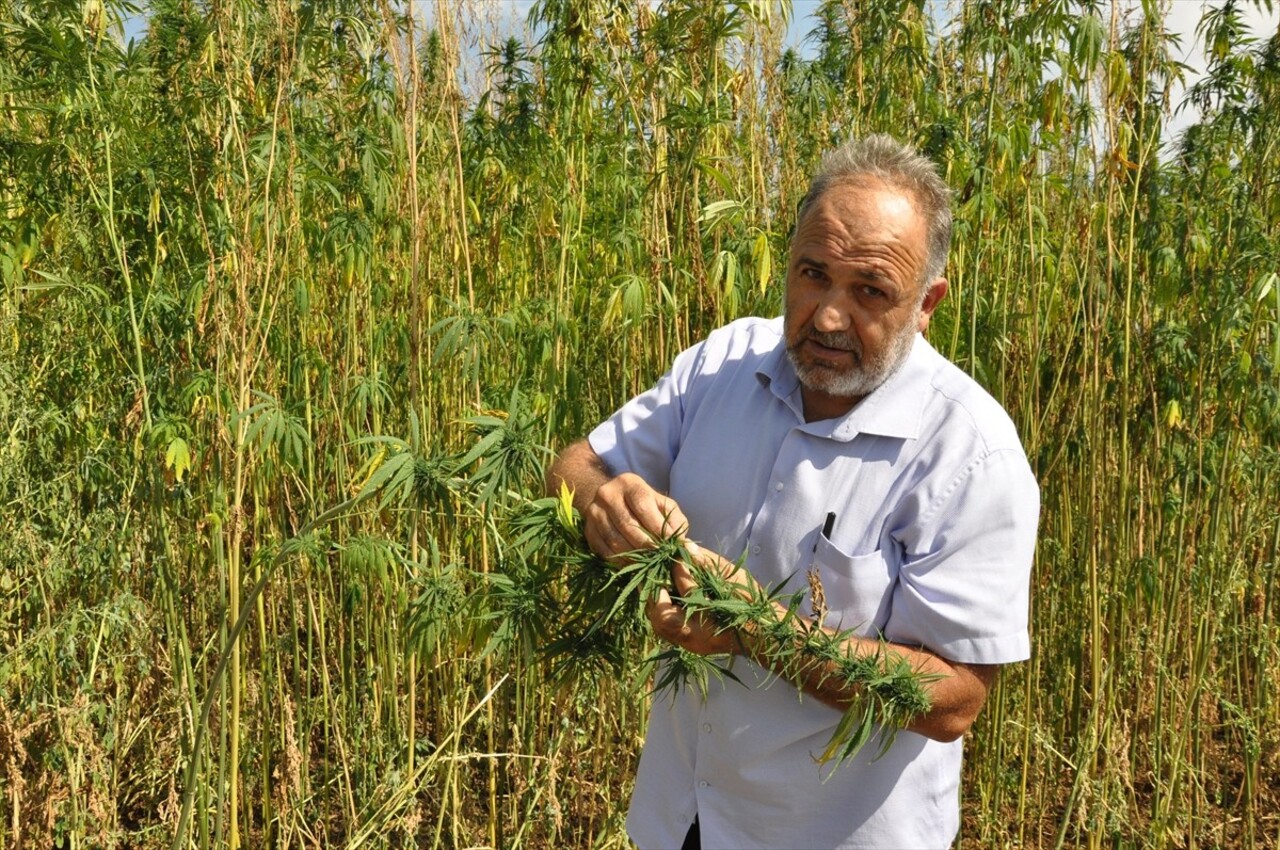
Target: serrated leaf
x,y
566,515
177,458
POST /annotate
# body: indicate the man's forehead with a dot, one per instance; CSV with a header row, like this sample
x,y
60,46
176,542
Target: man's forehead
x,y
860,210
867,190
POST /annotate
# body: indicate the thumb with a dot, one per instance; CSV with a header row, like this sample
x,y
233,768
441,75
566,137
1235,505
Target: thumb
x,y
681,579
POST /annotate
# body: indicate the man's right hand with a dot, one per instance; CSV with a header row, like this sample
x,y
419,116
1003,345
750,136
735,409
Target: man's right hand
x,y
627,514
620,513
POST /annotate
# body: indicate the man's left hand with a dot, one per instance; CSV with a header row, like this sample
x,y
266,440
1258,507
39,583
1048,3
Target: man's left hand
x,y
694,631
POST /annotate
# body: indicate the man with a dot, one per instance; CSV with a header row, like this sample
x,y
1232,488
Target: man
x,y
835,439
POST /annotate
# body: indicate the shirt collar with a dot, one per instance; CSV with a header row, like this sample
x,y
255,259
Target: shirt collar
x,y
776,373
894,409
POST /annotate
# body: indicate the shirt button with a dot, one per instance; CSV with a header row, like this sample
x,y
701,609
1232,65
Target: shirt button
x,y
704,784
778,486
706,727
755,550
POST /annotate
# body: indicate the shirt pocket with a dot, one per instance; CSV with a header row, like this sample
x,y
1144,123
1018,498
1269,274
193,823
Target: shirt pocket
x,y
858,588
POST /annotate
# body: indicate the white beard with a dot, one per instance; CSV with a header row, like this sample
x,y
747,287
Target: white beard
x,y
865,375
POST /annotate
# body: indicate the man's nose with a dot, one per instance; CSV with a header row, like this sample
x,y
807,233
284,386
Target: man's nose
x,y
833,314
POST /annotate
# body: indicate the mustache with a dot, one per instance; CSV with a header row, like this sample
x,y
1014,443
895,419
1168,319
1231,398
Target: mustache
x,y
842,342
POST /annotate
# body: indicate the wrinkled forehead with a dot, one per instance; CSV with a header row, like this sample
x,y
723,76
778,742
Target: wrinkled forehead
x,y
845,199
862,212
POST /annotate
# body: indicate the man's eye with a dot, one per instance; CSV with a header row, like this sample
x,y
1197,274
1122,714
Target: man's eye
x,y
872,292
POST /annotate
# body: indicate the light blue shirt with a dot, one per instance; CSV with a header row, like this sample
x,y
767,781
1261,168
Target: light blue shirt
x,y
936,510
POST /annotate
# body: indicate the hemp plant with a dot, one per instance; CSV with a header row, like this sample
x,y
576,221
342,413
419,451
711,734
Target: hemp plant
x,y
604,614
601,613
890,692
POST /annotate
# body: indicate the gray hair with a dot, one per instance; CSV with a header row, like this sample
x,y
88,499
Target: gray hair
x,y
899,167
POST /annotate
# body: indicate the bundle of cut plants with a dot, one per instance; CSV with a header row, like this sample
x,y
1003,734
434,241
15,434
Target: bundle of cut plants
x,y
602,625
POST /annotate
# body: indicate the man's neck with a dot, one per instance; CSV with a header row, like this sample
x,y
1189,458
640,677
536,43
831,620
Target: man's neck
x,y
819,405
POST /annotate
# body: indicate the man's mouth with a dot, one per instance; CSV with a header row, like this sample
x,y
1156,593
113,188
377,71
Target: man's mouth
x,y
828,349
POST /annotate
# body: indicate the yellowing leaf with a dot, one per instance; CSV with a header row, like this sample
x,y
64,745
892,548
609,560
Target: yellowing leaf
x,y
564,508
763,256
178,458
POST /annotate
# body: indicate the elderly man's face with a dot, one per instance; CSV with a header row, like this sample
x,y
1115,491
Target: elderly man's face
x,y
854,301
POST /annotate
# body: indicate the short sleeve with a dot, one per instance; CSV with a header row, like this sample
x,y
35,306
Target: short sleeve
x,y
643,436
963,589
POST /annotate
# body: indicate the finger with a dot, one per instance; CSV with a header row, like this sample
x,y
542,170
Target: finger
x,y
666,617
658,515
614,506
602,538
659,601
629,535
681,579
597,542
632,530
673,519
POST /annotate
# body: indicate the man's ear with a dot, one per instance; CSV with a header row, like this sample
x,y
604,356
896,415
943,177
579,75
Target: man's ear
x,y
932,298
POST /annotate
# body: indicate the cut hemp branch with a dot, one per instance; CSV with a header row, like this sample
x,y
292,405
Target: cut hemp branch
x,y
602,620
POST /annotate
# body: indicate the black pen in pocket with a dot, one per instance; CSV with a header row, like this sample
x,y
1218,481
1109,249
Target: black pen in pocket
x,y
826,532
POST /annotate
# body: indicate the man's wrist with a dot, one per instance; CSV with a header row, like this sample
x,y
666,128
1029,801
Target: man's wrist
x,y
752,636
